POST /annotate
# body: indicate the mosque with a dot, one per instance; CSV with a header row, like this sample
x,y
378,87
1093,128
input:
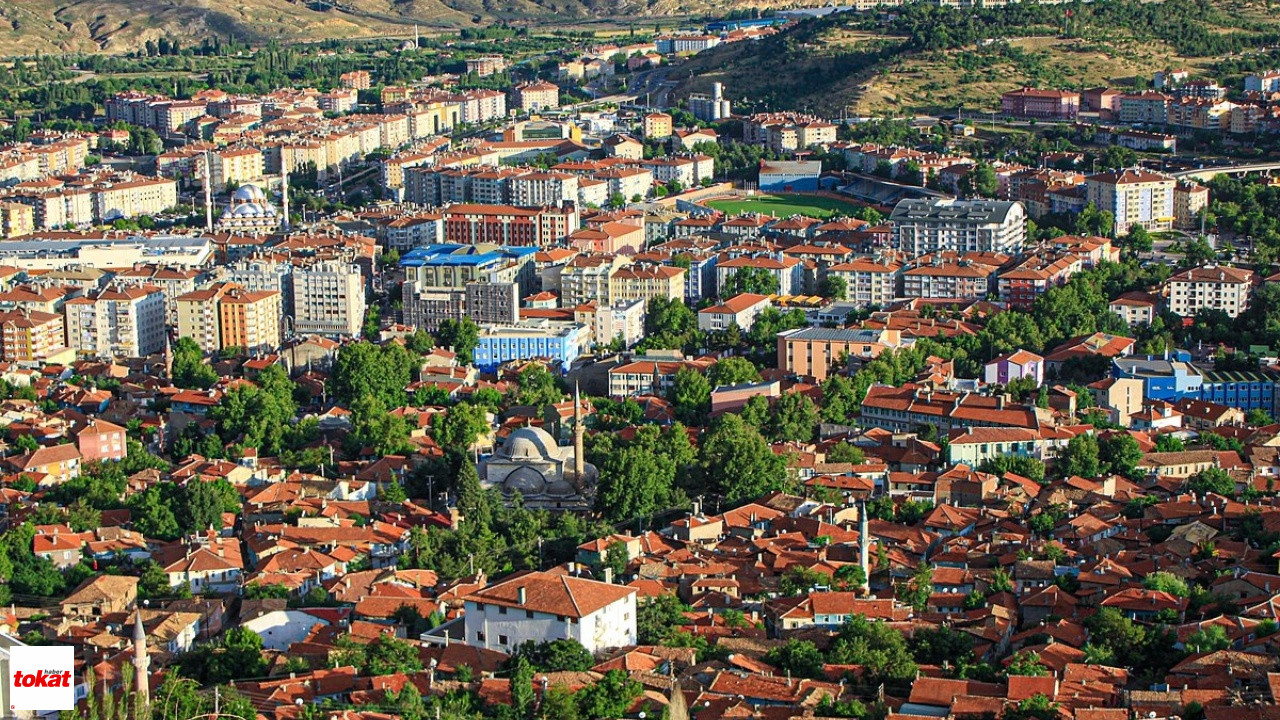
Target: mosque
x,y
249,211
547,476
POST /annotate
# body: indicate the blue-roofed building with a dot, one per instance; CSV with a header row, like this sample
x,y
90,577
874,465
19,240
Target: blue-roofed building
x,y
721,26
451,281
1162,379
559,342
1244,389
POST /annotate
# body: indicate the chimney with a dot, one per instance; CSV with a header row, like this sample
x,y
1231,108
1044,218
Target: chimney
x,y
521,595
608,577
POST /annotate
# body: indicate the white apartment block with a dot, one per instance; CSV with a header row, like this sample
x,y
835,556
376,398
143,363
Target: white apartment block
x,y
868,282
624,319
1210,288
133,197
927,226
117,322
328,299
544,188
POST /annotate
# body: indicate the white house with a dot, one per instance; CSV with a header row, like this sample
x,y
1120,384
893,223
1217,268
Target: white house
x,y
741,310
281,628
541,606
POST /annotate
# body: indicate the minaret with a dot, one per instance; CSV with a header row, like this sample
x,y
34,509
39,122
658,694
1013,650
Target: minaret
x,y
284,192
141,666
579,430
208,193
864,544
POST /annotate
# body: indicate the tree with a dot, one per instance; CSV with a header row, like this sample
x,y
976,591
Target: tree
x,y
1206,640
460,427
189,368
656,618
1025,662
1081,457
461,336
1212,480
1028,467
1166,582
935,646
917,591
981,181
846,453
1258,417
1036,707
736,462
834,287
691,395
372,426
366,370
798,658
634,482
733,371
1121,452
559,703
877,647
794,417
1168,442
610,697
565,654
522,697
754,280
388,654
537,387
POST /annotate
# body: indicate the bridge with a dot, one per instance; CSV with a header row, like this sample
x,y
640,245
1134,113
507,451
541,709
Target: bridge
x,y
1209,173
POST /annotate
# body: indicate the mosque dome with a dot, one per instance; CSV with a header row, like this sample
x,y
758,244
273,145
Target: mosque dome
x,y
525,481
529,443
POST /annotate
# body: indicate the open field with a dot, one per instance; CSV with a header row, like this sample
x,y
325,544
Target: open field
x,y
785,205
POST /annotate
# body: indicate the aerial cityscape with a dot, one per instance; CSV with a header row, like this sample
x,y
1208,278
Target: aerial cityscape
x,y
433,359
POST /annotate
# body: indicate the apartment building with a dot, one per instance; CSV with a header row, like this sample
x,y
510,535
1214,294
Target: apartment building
x,y
117,321
656,126
1212,287
560,343
585,279
1034,276
650,376
544,188
28,336
226,315
486,65
473,224
740,310
817,352
16,219
328,299
645,282
534,96
788,271
622,321
455,281
172,281
1041,104
132,197
1189,199
868,282
931,225
1147,108
949,278
235,166
1135,197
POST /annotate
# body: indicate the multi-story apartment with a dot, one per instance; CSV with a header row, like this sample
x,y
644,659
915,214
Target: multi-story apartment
x,y
258,274
585,279
868,282
452,281
1188,200
1021,285
16,219
117,321
623,321
544,188
173,281
656,126
949,278
1135,197
328,299
1212,287
932,225
534,96
1043,104
646,282
789,271
1148,108
226,315
472,224
31,336
741,310
817,352
486,65
238,165
356,80
132,197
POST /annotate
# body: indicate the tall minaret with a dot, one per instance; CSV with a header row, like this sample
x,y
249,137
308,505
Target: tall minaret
x,y
284,191
579,430
141,667
864,544
208,193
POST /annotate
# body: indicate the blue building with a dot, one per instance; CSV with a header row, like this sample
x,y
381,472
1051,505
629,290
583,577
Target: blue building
x,y
789,175
700,280
1247,390
1168,379
559,342
721,26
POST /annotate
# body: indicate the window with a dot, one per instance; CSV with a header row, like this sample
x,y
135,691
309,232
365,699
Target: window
x,y
502,640
479,636
528,614
502,609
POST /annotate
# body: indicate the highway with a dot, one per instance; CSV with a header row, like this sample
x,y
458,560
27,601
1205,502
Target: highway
x,y
1210,172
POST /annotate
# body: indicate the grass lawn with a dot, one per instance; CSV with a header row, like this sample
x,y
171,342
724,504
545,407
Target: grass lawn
x,y
785,205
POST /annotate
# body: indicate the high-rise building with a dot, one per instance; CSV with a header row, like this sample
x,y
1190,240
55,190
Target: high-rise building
x,y
932,225
328,299
226,315
117,322
1135,197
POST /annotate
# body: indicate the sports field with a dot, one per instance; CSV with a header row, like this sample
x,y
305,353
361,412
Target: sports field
x,y
784,205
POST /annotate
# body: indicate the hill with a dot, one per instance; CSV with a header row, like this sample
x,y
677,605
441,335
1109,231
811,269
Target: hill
x,y
118,26
932,59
